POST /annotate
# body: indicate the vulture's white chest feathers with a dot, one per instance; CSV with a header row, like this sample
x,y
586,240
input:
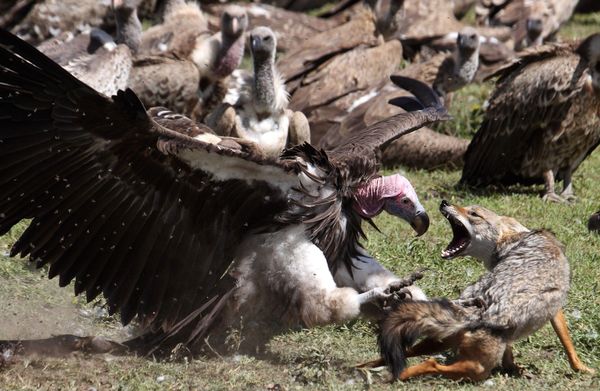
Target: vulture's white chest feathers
x,y
270,133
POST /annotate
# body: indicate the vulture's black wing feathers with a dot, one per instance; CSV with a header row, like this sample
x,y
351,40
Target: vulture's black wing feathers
x,y
120,204
407,103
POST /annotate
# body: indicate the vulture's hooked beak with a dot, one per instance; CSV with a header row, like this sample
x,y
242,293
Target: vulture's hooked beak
x,y
410,211
420,223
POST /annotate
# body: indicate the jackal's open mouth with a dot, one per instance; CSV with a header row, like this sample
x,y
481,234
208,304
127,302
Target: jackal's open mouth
x,y
460,240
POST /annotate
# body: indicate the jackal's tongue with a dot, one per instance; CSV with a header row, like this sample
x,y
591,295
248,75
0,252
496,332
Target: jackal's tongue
x,y
460,239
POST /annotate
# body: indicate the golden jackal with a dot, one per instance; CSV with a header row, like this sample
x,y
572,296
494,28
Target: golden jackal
x,y
526,286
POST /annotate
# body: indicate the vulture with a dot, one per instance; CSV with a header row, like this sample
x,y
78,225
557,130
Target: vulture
x,y
107,68
542,120
50,18
178,227
192,81
292,28
183,22
594,222
260,113
93,57
534,21
330,70
424,148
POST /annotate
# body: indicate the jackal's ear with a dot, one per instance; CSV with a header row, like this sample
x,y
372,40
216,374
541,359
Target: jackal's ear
x,y
511,226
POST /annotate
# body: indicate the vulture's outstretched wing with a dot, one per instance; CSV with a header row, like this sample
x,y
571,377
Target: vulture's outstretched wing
x,y
362,148
527,109
119,203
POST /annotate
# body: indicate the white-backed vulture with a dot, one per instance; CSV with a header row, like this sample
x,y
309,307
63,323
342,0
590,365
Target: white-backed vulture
x,y
291,28
192,80
50,18
542,120
534,21
424,148
260,113
183,24
94,57
125,203
332,69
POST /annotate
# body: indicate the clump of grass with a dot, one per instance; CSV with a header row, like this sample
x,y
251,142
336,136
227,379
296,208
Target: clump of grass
x,y
581,25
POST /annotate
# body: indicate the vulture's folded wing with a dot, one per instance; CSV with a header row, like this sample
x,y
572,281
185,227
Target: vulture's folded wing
x,y
148,216
529,107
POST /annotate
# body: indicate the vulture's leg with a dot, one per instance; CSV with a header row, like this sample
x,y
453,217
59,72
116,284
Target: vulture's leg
x,y
367,274
567,192
549,194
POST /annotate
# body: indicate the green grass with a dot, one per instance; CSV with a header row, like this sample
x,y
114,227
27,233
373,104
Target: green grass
x,y
323,357
580,26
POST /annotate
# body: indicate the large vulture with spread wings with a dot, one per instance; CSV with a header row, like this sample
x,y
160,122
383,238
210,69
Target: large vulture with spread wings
x,y
175,225
542,120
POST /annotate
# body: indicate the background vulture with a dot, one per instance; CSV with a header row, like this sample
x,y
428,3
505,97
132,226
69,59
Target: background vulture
x,y
172,223
542,120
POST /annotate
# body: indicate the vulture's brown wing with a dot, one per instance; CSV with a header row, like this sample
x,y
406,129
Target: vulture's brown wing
x,y
322,46
527,109
147,216
361,148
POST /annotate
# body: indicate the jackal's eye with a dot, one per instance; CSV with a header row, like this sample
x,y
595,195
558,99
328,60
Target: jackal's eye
x,y
472,213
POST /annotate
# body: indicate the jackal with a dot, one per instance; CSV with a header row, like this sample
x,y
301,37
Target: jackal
x,y
525,286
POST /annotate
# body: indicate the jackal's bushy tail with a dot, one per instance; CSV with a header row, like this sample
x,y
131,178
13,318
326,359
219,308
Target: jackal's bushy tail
x,y
437,319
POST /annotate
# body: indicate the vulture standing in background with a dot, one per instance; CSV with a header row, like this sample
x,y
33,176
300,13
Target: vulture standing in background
x,y
534,21
94,57
217,57
183,22
292,28
152,212
107,68
260,113
330,70
192,80
542,120
51,18
424,148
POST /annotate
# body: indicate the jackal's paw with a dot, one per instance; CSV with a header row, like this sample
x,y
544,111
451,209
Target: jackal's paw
x,y
553,197
513,370
584,369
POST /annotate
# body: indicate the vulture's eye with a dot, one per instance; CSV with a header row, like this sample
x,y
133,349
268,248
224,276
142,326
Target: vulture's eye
x,y
472,213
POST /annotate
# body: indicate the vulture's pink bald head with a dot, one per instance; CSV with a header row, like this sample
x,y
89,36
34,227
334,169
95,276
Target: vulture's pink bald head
x,y
395,195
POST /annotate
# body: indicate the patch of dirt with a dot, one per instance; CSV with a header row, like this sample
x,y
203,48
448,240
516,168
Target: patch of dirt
x,y
38,308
